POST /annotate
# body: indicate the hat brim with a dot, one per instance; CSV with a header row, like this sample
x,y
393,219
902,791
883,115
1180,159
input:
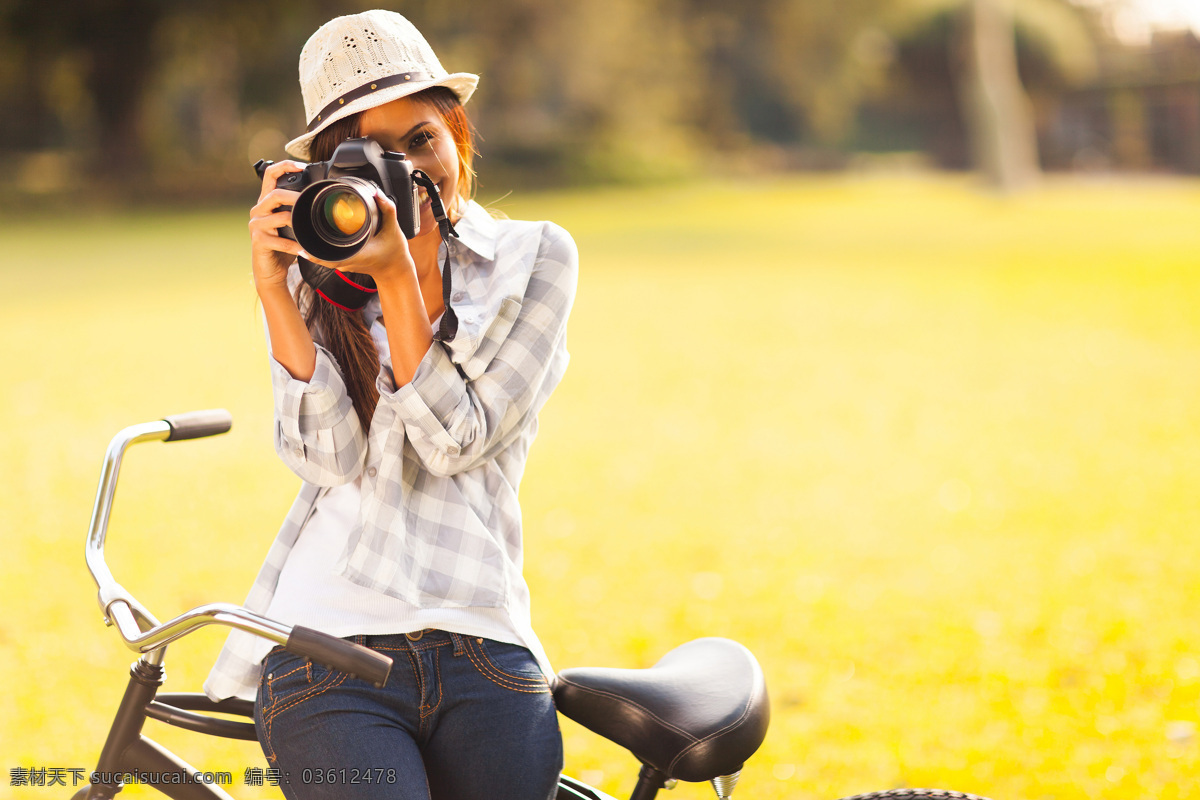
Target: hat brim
x,y
461,83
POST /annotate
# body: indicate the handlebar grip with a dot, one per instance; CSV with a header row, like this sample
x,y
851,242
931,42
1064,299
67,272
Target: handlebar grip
x,y
198,424
340,655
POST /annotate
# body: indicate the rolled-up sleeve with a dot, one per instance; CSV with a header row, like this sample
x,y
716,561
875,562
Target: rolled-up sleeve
x,y
455,422
317,432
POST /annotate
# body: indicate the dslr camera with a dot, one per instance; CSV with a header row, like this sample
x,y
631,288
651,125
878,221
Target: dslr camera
x,y
335,214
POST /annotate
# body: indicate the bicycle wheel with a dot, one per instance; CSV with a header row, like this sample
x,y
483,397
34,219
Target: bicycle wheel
x,y
916,794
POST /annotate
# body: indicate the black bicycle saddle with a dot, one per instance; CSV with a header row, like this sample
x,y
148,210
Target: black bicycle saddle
x,y
698,713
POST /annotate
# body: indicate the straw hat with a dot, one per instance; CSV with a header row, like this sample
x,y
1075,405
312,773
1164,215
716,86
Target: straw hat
x,y
360,61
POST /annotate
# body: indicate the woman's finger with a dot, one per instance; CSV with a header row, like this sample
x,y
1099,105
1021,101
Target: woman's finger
x,y
338,265
267,235
386,206
269,201
280,244
271,220
273,173
390,215
277,169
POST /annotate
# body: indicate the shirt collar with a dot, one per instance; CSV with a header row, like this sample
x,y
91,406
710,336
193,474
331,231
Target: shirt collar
x,y
477,230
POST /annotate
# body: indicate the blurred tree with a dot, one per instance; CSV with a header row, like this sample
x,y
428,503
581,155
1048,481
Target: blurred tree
x,y
826,57
109,42
144,87
784,70
587,90
999,117
995,107
185,94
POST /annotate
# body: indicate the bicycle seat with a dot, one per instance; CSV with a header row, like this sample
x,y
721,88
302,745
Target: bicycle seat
x,y
698,713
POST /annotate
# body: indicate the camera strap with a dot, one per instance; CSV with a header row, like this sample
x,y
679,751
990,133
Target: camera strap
x,y
349,291
449,326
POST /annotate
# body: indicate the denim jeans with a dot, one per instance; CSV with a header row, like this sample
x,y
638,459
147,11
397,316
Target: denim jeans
x,y
460,718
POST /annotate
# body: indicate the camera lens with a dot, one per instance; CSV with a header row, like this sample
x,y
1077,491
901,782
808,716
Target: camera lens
x,y
343,211
334,218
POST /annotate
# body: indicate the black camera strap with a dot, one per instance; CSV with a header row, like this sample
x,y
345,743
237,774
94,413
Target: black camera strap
x,y
349,291
449,326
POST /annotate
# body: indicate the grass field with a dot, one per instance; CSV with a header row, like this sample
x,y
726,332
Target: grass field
x,y
934,456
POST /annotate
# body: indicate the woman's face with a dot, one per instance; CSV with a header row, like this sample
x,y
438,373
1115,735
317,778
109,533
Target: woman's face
x,y
411,127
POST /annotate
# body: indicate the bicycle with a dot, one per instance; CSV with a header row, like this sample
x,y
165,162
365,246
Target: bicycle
x,y
696,715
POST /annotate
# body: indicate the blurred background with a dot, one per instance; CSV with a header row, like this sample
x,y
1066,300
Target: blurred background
x,y
170,99
885,363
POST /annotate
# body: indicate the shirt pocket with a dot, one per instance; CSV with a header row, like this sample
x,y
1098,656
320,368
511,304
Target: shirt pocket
x,y
491,338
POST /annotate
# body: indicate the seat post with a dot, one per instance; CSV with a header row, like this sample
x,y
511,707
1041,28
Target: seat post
x,y
724,784
649,782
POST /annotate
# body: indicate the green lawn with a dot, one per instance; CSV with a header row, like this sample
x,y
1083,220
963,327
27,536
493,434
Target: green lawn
x,y
933,455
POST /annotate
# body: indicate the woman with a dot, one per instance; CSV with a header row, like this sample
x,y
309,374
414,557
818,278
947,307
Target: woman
x,y
406,535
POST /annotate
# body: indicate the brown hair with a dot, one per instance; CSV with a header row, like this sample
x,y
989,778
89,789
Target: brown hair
x,y
344,333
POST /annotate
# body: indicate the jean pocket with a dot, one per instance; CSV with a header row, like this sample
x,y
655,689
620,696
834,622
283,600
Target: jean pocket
x,y
289,679
507,665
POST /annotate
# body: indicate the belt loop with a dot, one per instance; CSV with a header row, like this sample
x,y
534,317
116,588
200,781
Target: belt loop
x,y
459,646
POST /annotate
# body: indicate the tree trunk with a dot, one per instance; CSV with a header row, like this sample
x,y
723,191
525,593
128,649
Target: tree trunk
x,y
998,116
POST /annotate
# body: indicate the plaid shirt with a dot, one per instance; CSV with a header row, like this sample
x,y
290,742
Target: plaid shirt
x,y
439,525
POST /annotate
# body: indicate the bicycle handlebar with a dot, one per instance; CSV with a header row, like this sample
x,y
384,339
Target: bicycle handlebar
x,y
138,627
328,650
198,424
340,654
160,430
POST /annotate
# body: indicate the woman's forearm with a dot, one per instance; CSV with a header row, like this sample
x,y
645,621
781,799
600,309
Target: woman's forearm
x,y
409,333
291,343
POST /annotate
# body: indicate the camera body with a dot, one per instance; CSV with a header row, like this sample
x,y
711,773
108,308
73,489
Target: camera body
x,y
335,214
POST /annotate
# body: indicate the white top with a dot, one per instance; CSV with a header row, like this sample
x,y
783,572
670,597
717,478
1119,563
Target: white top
x,y
312,594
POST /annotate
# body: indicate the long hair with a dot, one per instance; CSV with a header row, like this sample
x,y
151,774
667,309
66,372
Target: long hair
x,y
344,333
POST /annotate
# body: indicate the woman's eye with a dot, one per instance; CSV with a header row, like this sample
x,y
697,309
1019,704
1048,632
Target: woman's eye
x,y
420,140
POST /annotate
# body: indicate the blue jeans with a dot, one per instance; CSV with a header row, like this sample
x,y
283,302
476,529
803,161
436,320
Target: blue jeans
x,y
460,718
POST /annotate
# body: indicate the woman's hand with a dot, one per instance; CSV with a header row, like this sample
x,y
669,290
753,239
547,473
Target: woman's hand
x,y
385,256
270,253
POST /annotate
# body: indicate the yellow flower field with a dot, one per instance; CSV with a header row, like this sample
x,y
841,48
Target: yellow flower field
x,y
933,455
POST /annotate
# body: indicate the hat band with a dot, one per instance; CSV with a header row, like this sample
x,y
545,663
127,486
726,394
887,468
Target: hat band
x,y
364,90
